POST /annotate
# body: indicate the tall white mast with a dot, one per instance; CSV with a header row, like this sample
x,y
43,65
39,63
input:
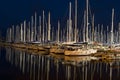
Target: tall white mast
x,y
93,28
87,20
58,34
35,33
75,32
40,29
98,33
24,31
32,31
49,26
61,35
112,26
102,33
21,32
43,27
84,26
95,38
64,37
46,31
107,34
70,22
67,38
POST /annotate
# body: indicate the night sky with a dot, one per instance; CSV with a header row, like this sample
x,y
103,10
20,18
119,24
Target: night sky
x,y
13,12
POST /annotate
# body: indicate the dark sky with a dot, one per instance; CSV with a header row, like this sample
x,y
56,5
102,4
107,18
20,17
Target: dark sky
x,y
16,11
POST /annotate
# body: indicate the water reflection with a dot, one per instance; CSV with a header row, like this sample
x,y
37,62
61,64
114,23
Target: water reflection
x,y
49,67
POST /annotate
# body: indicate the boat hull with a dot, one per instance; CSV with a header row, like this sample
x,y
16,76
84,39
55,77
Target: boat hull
x,y
57,51
80,52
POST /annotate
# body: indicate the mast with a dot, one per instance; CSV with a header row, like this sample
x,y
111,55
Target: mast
x,y
107,34
46,31
49,26
28,32
61,35
64,37
7,35
86,20
21,32
70,22
35,32
119,32
98,33
10,35
84,26
24,31
95,31
75,32
13,33
77,35
32,32
67,38
43,27
101,34
58,31
40,28
112,26
93,28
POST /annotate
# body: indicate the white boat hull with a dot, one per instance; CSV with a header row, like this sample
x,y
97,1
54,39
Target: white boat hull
x,y
80,52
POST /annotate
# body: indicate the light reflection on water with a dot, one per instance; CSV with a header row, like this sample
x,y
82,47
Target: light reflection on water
x,y
49,67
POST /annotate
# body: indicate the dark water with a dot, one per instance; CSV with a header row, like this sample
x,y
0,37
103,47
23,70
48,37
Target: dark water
x,y
20,65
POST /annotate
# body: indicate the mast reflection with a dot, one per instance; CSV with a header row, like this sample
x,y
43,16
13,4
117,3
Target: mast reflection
x,y
49,67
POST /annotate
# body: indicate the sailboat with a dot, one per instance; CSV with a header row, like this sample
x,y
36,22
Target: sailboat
x,y
59,48
73,50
